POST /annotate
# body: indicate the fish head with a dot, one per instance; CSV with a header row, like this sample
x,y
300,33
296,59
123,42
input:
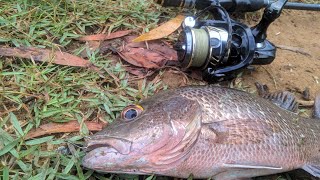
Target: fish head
x,y
151,137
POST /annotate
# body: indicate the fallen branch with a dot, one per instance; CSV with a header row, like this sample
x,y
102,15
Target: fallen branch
x,y
294,49
305,103
271,75
68,127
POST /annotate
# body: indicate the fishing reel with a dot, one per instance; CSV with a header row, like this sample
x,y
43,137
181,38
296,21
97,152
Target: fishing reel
x,y
221,47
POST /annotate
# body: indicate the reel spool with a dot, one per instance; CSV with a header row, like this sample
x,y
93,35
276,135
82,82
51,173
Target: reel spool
x,y
194,48
199,47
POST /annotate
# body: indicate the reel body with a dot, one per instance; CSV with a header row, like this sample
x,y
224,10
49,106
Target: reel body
x,y
220,47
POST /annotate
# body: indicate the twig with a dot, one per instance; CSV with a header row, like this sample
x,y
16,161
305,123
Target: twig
x,y
116,80
273,78
305,103
294,49
142,77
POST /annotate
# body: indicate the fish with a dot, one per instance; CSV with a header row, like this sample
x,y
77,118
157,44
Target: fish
x,y
205,132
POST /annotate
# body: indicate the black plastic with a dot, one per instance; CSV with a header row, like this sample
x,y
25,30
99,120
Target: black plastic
x,y
169,3
243,5
248,45
241,55
271,13
265,55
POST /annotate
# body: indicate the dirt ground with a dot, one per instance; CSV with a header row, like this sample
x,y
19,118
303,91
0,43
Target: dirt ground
x,y
291,71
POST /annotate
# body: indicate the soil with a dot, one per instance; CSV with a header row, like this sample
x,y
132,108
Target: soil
x,y
291,71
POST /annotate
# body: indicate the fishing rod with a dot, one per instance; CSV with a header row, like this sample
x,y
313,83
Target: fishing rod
x,y
236,5
221,47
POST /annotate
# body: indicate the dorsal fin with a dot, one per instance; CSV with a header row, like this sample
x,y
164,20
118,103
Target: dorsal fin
x,y
283,99
316,111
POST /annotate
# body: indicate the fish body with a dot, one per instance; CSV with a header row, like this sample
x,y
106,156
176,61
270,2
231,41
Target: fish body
x,y
206,132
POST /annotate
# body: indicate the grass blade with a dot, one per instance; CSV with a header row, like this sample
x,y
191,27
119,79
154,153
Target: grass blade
x,y
16,124
68,167
39,141
5,172
9,146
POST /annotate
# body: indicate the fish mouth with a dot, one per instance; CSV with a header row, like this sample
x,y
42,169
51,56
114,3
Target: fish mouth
x,y
121,145
108,154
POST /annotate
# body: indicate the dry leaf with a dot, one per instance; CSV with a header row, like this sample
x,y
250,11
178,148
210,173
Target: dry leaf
x,y
71,126
142,58
153,55
101,37
162,31
45,55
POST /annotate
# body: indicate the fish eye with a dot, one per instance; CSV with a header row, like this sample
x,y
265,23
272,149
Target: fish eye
x,y
131,112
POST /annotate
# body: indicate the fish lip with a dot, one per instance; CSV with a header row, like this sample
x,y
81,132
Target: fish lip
x,y
90,161
94,160
121,145
133,172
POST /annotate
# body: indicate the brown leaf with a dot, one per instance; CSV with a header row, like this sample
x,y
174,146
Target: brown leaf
x,y
162,31
101,37
152,55
141,57
162,47
45,55
71,126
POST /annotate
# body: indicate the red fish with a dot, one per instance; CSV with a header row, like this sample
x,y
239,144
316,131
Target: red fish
x,y
207,132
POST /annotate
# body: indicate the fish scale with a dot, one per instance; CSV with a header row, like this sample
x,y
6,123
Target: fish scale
x,y
209,132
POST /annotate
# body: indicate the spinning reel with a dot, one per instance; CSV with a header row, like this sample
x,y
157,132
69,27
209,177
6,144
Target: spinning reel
x,y
221,47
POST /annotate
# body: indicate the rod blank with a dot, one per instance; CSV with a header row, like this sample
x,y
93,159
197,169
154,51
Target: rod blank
x,y
302,6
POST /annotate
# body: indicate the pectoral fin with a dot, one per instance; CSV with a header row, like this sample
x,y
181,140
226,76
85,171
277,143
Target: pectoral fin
x,y
236,132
